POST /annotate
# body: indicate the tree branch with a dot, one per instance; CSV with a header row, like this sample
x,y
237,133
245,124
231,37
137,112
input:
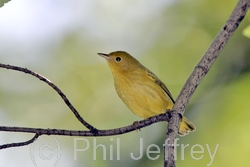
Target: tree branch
x,y
20,143
63,96
62,132
198,74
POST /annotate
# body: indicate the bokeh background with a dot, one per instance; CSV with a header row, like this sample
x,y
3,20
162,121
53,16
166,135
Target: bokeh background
x,y
60,39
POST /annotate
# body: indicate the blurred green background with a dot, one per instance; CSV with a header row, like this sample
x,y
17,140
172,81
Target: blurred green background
x,y
60,39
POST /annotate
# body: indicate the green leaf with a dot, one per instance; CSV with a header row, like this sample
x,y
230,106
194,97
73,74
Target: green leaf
x,y
2,2
246,31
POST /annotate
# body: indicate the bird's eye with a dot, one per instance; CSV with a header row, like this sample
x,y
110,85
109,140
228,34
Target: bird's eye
x,y
118,59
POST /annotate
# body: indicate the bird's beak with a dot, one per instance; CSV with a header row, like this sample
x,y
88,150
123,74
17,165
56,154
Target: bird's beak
x,y
106,56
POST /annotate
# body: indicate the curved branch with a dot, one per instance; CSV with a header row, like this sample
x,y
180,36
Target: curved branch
x,y
62,132
198,74
63,96
4,146
110,132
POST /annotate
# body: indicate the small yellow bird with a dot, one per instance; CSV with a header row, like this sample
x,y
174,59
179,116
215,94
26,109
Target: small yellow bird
x,y
141,90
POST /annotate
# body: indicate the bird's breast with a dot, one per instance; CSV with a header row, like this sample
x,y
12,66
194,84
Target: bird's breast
x,y
142,96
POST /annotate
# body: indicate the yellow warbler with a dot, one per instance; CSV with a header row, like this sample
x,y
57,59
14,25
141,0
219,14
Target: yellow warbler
x,y
141,90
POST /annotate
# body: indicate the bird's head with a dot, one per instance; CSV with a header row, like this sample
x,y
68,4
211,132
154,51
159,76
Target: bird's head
x,y
121,61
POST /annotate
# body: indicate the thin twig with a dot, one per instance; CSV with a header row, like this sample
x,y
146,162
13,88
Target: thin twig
x,y
4,146
63,96
198,74
61,132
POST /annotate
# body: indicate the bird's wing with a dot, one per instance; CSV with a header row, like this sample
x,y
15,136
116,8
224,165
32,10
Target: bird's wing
x,y
160,83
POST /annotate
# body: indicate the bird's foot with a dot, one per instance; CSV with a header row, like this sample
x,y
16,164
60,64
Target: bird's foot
x,y
136,123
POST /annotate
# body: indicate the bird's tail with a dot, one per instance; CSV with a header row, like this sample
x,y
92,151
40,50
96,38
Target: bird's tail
x,y
185,127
